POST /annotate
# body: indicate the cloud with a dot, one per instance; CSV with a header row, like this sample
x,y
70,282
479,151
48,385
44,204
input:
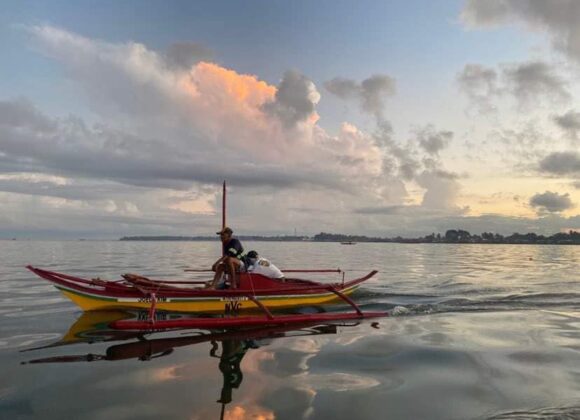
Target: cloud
x,y
374,90
371,92
22,114
569,122
412,210
480,84
102,152
343,88
551,202
295,100
558,18
418,160
529,83
173,131
177,125
532,80
433,141
561,163
441,190
171,125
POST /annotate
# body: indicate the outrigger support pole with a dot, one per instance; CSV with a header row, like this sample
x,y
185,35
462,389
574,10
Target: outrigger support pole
x,y
261,306
347,300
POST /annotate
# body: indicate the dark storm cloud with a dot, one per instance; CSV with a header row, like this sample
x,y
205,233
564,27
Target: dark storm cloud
x,y
569,123
558,18
186,54
296,99
551,202
561,163
370,93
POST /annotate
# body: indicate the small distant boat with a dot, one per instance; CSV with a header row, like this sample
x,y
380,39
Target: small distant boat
x,y
348,243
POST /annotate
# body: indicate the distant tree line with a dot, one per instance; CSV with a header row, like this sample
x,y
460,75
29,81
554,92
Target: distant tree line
x,y
452,236
459,236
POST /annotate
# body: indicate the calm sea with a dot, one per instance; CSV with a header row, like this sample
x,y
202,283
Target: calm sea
x,y
476,332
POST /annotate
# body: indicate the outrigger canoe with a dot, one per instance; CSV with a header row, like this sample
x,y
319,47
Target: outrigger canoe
x,y
255,291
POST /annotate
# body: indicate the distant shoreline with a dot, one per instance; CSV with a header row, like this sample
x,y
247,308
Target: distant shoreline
x,y
450,237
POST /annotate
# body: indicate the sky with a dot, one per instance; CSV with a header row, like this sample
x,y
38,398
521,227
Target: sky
x,y
380,118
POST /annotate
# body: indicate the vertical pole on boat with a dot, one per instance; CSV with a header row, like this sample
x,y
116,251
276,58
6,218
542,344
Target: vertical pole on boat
x,y
223,210
224,206
223,411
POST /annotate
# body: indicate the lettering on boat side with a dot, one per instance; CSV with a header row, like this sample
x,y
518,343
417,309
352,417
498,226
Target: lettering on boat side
x,y
233,304
159,316
148,299
233,298
232,308
143,300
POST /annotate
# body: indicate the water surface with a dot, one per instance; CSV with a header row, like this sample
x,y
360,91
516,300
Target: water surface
x,y
477,331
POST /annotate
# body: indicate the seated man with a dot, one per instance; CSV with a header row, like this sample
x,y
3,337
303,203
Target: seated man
x,y
230,262
259,265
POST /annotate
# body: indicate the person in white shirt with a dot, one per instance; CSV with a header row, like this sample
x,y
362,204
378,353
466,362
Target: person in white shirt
x,y
259,265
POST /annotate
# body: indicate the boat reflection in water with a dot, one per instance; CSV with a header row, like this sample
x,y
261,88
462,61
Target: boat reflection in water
x,y
230,346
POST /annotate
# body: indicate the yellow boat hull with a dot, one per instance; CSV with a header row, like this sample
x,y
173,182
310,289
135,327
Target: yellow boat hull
x,y
213,305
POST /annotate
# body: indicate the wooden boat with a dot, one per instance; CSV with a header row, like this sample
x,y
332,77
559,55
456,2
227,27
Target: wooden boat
x,y
255,291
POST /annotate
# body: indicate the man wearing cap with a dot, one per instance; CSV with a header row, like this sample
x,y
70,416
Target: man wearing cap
x,y
231,260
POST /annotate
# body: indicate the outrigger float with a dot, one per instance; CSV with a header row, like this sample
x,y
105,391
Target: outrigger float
x,y
254,291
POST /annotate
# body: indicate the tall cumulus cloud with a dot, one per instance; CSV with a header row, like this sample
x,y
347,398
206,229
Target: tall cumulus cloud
x,y
173,127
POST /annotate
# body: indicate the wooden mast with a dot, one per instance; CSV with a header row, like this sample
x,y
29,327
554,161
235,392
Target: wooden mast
x,y
223,212
224,206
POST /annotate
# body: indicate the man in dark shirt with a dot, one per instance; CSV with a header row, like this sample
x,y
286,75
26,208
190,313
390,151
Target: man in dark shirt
x,y
231,260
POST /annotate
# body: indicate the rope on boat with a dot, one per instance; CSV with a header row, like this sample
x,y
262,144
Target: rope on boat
x,y
153,307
